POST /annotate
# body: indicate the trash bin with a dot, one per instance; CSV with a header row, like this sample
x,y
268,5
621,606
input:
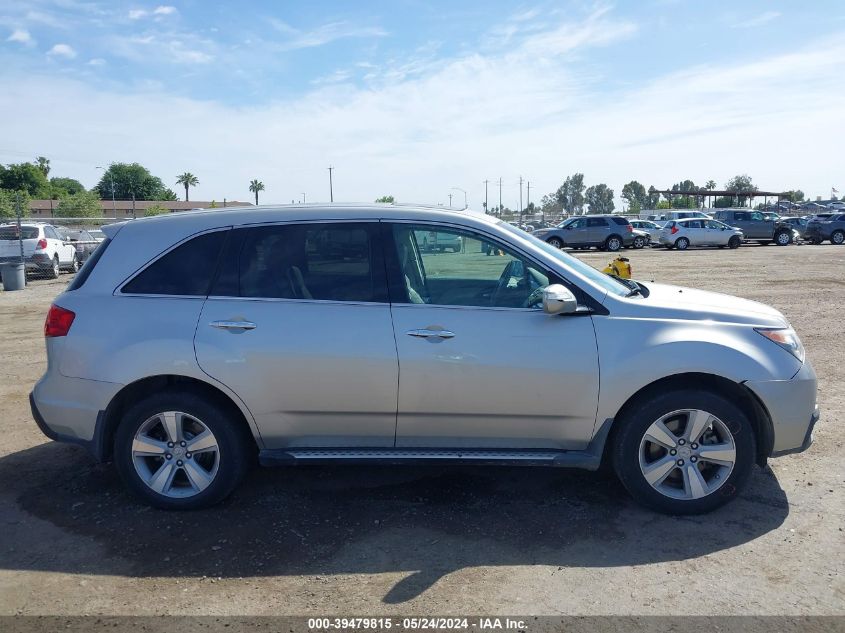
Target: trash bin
x,y
14,276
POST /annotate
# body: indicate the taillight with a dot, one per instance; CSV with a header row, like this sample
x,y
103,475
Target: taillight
x,y
58,321
630,229
674,229
42,244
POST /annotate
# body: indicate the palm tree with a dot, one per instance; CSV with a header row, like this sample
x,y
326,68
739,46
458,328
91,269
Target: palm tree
x,y
187,180
255,186
711,185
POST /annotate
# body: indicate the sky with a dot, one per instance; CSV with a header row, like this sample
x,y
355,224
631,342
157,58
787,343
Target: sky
x,y
420,100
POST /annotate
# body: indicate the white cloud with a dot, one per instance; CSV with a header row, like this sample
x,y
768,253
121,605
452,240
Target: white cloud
x,y
759,20
297,39
21,36
137,14
62,50
164,10
455,122
97,61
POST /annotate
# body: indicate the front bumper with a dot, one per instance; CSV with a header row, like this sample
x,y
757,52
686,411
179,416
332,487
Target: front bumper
x,y
792,408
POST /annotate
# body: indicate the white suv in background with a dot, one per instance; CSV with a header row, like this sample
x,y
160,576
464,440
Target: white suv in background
x,y
44,250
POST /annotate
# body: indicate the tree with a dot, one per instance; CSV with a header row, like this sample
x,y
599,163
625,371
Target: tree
x,y
387,199
636,196
64,187
85,204
549,205
255,186
653,198
600,198
187,180
9,201
795,195
155,209
43,164
570,195
685,201
664,204
739,183
129,179
25,177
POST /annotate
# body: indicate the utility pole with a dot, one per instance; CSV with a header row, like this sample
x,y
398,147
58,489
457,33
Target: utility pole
x,y
450,199
303,197
486,208
528,201
500,196
331,188
520,199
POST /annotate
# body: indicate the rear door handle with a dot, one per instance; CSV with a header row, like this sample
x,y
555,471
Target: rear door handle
x,y
233,325
426,333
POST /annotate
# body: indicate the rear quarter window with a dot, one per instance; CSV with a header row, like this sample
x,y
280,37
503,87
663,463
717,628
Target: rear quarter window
x,y
621,221
187,270
11,232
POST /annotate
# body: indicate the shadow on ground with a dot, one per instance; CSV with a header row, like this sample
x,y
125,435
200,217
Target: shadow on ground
x,y
429,521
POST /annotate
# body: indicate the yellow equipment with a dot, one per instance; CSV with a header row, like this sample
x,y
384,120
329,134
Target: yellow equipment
x,y
619,267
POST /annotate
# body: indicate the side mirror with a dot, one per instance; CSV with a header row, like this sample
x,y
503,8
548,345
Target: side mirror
x,y
558,299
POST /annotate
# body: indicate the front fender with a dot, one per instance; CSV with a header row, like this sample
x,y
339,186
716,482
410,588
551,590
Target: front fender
x,y
633,353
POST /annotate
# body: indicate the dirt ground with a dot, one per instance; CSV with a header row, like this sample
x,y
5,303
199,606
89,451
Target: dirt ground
x,y
436,540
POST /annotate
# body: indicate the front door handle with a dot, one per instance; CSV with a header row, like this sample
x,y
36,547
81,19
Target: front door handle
x,y
427,333
233,325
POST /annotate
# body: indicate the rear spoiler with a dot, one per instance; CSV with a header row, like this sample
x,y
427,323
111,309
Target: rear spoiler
x,y
111,229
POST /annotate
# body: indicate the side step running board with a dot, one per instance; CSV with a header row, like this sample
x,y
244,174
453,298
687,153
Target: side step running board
x,y
533,457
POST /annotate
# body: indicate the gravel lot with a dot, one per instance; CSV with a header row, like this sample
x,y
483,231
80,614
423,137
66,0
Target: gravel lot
x,y
436,540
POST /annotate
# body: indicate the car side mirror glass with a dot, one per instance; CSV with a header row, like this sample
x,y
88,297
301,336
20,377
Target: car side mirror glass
x,y
558,299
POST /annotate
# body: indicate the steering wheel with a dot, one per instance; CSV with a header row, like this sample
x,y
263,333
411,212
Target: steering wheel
x,y
516,269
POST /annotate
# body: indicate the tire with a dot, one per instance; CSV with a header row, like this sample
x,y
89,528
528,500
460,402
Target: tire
x,y
682,243
639,242
217,470
54,270
678,489
838,238
74,265
555,241
734,242
613,243
783,238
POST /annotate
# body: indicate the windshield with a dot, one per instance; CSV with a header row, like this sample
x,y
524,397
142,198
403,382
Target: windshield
x,y
611,284
565,222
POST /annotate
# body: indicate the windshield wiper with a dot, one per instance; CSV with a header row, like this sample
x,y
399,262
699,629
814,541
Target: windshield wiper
x,y
638,289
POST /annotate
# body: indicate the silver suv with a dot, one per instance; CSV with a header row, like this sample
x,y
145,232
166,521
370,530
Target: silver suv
x,y
191,344
607,232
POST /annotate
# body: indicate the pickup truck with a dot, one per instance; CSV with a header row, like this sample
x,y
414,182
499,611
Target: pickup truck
x,y
755,227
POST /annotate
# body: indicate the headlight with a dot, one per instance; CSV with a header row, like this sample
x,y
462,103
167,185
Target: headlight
x,y
786,338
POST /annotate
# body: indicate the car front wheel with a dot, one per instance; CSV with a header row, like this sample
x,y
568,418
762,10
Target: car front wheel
x,y
178,451
734,242
684,452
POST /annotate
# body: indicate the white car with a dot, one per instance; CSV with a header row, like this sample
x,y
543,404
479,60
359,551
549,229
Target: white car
x,y
682,234
649,227
44,251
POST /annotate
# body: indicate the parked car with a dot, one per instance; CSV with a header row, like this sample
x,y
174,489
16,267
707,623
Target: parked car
x,y
755,227
191,344
436,242
97,234
83,241
682,234
799,226
652,228
771,215
641,239
836,206
831,228
607,232
44,250
667,215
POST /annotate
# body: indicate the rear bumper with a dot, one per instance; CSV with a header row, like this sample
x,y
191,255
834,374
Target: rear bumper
x,y
72,410
38,261
792,408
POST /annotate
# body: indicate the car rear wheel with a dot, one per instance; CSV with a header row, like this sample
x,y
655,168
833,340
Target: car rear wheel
x,y
74,264
556,242
682,243
684,452
783,238
639,242
734,242
837,237
613,243
55,270
178,451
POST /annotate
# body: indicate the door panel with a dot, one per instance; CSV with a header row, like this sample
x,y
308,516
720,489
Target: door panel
x,y
488,369
311,373
299,326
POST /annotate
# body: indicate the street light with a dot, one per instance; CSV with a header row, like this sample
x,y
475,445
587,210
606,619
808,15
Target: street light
x,y
111,176
465,195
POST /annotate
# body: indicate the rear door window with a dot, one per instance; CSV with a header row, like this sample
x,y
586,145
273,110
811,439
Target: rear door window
x,y
186,270
317,261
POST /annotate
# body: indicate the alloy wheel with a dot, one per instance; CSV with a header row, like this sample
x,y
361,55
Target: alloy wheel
x,y
687,454
175,454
